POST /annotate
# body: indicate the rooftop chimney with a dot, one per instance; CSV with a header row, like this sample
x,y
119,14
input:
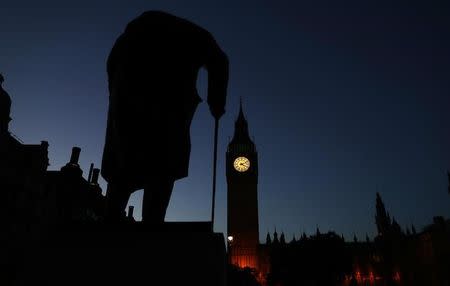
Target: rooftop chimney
x,y
130,211
95,174
75,155
90,173
44,144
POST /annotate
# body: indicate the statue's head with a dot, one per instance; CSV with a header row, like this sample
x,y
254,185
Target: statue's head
x,y
2,79
137,33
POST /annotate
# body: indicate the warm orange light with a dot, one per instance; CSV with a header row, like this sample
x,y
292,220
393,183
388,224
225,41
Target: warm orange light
x,y
244,261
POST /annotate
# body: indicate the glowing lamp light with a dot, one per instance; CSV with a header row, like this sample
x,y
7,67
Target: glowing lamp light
x,y
230,238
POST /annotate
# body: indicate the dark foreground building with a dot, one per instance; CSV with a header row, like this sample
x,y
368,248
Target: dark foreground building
x,y
34,200
54,230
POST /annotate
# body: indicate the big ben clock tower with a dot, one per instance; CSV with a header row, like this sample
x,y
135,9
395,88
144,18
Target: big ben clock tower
x,y
242,196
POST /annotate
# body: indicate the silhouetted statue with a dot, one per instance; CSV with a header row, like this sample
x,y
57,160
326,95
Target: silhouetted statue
x,y
152,75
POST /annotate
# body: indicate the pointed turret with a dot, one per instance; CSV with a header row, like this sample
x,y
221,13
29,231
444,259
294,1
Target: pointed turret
x,y
396,229
282,238
304,237
241,134
268,240
382,218
5,108
413,230
294,240
408,232
275,237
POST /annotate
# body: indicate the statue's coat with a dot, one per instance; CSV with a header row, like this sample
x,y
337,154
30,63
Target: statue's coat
x,y
152,75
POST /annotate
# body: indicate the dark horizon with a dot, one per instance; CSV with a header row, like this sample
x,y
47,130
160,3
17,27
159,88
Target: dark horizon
x,y
343,101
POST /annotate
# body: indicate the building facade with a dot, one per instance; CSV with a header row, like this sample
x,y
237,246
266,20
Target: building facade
x,y
36,200
242,196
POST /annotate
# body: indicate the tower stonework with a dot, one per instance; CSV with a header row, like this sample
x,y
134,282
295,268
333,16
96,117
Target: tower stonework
x,y
242,196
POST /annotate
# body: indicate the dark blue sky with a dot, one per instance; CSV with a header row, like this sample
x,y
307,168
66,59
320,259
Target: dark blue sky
x,y
343,98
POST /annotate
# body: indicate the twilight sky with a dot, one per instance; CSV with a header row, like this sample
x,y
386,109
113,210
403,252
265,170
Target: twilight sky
x,y
343,99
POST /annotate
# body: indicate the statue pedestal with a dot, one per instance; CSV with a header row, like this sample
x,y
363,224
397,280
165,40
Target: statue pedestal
x,y
129,254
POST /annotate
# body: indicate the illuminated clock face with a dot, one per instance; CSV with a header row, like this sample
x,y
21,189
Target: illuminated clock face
x,y
241,164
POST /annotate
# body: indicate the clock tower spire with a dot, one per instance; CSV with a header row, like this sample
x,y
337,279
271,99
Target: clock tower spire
x,y
242,196
241,127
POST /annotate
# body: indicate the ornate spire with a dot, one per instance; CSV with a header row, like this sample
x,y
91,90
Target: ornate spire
x,y
268,239
241,112
304,237
408,232
382,219
282,238
275,237
413,229
241,133
294,240
396,227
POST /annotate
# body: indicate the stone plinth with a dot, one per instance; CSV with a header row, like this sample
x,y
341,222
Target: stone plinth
x,y
128,254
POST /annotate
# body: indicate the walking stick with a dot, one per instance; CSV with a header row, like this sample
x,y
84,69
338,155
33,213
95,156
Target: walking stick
x,y
216,135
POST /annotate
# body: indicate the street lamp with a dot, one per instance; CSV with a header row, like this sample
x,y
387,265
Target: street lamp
x,y
229,242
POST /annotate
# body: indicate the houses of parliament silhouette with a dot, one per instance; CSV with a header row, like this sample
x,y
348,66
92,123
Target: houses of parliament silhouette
x,y
36,201
395,256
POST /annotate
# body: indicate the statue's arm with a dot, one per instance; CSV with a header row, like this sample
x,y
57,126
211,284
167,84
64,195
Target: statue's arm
x,y
217,67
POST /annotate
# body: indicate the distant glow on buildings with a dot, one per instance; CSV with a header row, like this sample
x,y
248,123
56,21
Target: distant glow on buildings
x,y
397,276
